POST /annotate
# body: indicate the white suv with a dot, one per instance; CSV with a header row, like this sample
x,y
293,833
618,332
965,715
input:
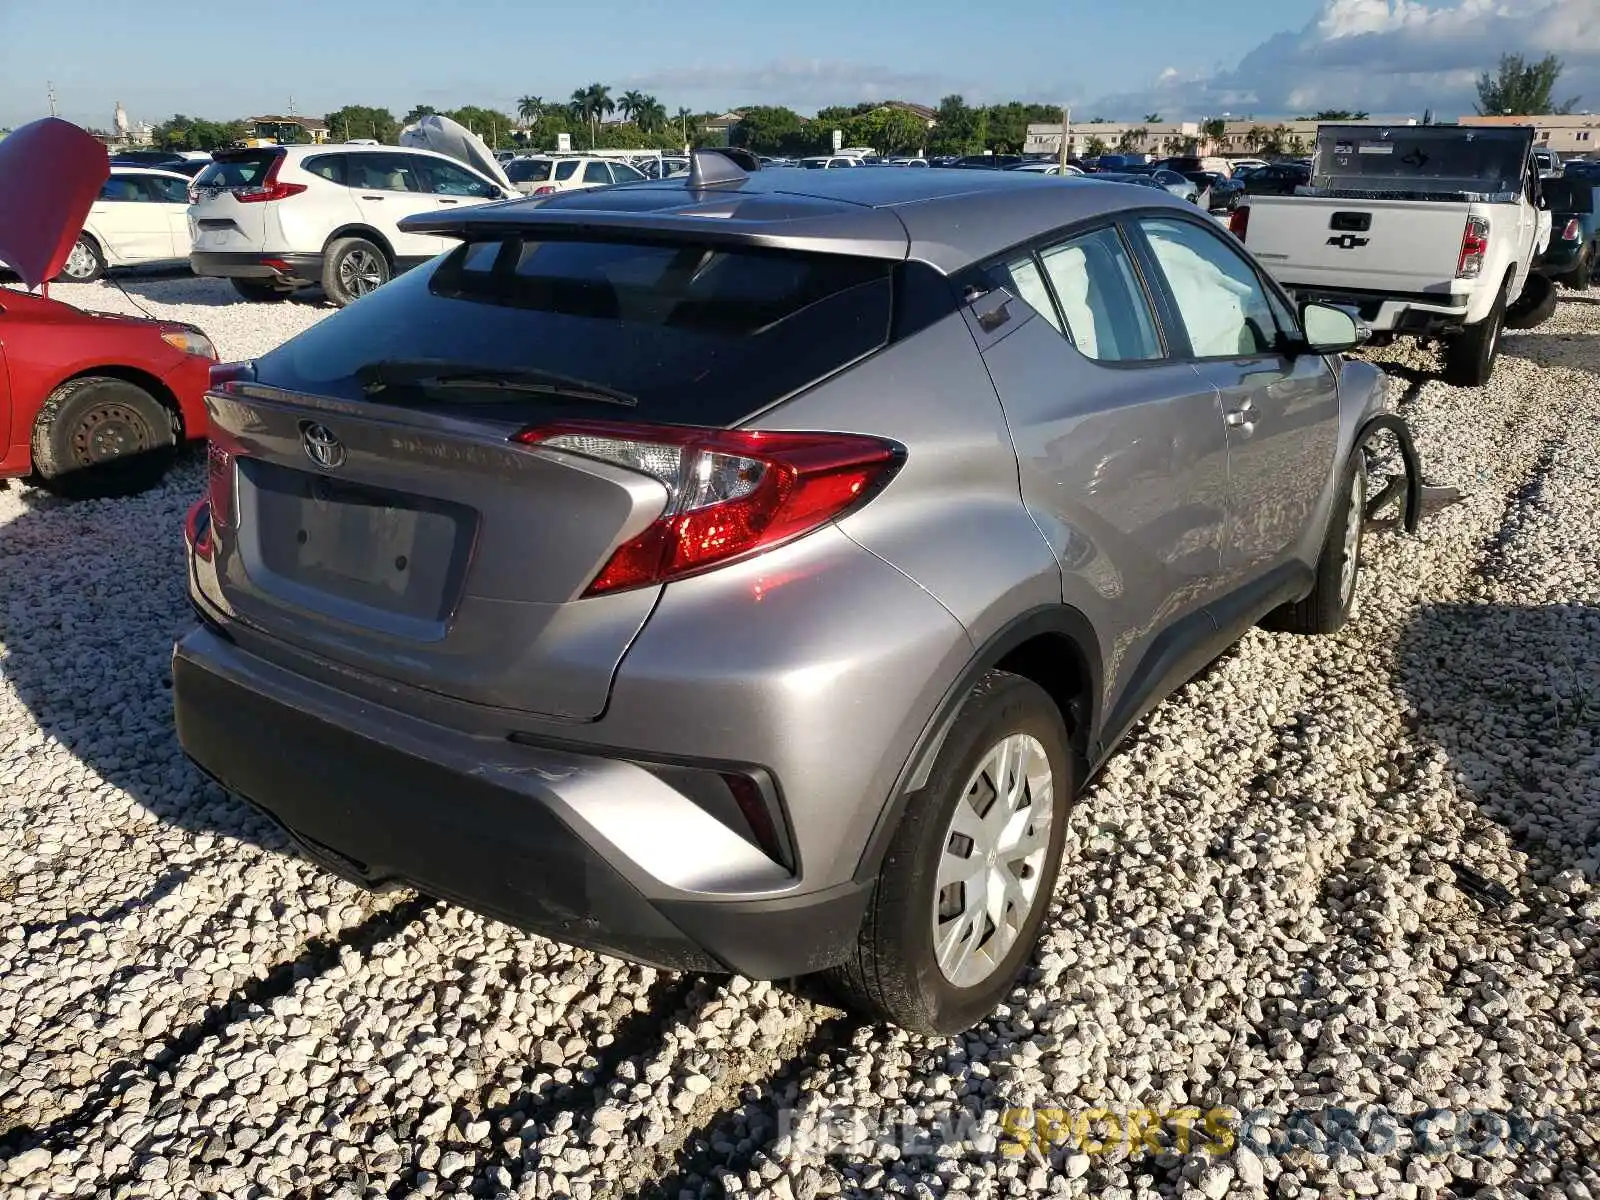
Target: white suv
x,y
276,218
543,175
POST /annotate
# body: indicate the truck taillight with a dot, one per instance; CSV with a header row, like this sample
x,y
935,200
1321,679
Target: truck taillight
x,y
1239,221
1474,247
731,493
1572,232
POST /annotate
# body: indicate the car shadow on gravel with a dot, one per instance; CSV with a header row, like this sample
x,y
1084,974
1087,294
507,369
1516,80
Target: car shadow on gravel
x,y
93,595
206,292
1512,696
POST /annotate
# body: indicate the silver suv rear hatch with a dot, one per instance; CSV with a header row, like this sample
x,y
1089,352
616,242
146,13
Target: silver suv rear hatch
x,y
371,505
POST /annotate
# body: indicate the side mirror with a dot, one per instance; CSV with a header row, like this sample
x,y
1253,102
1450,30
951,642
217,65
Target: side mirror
x,y
1330,330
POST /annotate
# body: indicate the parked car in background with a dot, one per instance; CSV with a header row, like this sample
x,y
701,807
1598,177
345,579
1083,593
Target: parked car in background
x,y
91,404
139,217
1189,164
1217,192
1581,168
273,219
573,173
771,696
1276,179
1548,160
1178,184
1429,231
987,162
1136,178
1046,168
828,162
1245,164
1572,256
163,159
906,162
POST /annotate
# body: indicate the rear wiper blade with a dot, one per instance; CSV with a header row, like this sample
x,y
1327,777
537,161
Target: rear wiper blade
x,y
429,374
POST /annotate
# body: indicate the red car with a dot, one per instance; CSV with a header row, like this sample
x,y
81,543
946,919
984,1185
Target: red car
x,y
90,403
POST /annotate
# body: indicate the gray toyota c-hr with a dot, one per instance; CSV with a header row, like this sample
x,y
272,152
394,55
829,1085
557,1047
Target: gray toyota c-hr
x,y
746,572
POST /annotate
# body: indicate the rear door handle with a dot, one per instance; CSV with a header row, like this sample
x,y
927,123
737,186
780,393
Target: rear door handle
x,y
372,197
449,202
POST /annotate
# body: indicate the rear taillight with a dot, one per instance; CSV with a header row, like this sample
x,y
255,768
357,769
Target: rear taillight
x,y
1572,232
1474,246
730,493
1239,221
197,528
269,188
220,471
544,190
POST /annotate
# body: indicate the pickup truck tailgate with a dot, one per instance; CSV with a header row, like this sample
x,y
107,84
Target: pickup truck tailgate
x,y
1390,246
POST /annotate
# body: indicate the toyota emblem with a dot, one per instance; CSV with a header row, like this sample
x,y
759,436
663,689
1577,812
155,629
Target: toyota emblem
x,y
321,446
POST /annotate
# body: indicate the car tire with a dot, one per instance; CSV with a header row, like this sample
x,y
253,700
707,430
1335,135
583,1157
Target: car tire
x,y
85,263
260,291
353,268
896,972
1332,598
98,436
1469,356
1535,306
1583,274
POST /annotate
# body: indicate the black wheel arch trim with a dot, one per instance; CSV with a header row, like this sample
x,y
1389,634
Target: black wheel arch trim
x,y
367,234
1059,620
1396,424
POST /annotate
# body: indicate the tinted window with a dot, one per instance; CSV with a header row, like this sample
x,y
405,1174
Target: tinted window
x,y
566,168
447,179
1226,310
122,188
625,173
1107,314
238,170
169,191
528,170
700,335
596,172
382,172
326,166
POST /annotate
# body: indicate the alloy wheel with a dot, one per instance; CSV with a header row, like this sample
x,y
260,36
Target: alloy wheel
x,y
360,271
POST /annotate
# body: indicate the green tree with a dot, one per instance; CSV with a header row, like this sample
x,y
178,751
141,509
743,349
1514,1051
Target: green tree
x,y
1214,128
530,109
1258,138
1152,118
195,133
887,130
1008,127
1339,114
361,121
956,128
768,129
1132,139
683,121
1520,88
1097,146
492,126
418,111
590,104
630,104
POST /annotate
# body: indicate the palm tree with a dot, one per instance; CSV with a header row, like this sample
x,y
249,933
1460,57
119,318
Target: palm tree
x,y
1153,118
682,118
1258,137
530,109
597,103
632,104
651,114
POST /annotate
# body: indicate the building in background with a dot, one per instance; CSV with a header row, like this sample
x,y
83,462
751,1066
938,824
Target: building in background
x,y
288,129
1578,134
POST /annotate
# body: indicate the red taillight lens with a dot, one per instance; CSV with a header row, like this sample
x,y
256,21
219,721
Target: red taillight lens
x,y
269,188
197,528
1474,246
1572,232
220,470
1239,221
731,493
544,190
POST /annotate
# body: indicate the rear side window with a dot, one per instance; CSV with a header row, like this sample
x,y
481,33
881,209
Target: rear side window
x,y
596,172
626,174
238,170
326,166
528,170
696,334
566,168
1107,314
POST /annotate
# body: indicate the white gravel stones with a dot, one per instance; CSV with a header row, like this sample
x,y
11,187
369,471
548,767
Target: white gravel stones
x,y
1331,874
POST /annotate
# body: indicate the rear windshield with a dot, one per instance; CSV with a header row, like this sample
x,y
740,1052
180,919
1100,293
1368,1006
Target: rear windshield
x,y
1420,159
528,170
237,170
696,334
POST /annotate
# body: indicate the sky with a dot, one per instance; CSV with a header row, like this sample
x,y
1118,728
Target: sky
x,y
1187,59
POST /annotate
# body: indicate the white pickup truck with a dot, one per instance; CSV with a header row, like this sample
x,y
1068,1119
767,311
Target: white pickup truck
x,y
1426,230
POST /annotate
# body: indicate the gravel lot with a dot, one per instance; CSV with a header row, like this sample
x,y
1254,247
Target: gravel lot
x,y
1332,873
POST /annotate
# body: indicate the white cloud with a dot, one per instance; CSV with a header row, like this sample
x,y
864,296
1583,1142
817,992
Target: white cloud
x,y
1387,56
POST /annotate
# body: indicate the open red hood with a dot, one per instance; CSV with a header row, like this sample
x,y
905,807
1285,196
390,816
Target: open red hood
x,y
51,171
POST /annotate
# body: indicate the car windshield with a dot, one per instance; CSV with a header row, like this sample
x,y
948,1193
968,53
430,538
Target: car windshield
x,y
690,333
528,170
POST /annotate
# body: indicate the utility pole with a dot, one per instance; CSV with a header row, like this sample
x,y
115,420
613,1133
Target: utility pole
x,y
50,90
1066,120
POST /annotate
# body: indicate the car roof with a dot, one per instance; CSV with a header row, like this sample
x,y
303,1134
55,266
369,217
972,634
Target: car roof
x,y
948,218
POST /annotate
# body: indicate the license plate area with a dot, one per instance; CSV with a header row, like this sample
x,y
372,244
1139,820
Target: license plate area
x,y
384,550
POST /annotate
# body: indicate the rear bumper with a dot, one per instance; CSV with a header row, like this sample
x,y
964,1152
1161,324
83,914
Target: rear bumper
x,y
287,269
512,831
1423,315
